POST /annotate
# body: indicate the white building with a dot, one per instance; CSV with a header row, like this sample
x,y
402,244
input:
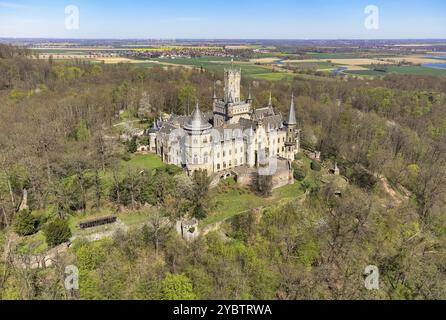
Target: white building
x,y
234,135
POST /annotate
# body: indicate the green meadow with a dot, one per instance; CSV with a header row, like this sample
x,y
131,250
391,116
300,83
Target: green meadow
x,y
406,70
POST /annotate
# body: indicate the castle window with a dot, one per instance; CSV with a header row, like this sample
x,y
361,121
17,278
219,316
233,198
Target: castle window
x,y
236,162
218,166
195,159
206,155
241,160
218,155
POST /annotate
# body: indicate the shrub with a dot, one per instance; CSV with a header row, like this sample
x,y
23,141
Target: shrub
x,y
132,145
57,232
299,174
315,166
362,178
299,156
177,287
25,223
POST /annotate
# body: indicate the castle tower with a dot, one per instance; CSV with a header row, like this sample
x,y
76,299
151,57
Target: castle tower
x,y
198,147
292,144
232,85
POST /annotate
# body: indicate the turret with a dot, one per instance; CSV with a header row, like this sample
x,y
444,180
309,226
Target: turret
x,y
197,121
215,94
292,144
291,118
249,100
270,102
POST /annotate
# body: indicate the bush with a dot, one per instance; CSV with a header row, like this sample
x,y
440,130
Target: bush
x,y
362,178
57,232
315,166
298,173
132,145
177,287
25,223
299,156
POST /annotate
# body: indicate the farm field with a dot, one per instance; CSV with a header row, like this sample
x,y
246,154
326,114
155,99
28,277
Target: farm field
x,y
414,70
214,65
264,66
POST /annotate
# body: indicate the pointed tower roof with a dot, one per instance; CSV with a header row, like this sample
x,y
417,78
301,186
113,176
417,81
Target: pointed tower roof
x,y
215,93
197,121
270,102
249,94
291,119
155,126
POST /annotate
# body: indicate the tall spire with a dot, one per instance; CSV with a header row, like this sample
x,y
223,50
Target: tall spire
x,y
249,94
291,120
215,93
270,102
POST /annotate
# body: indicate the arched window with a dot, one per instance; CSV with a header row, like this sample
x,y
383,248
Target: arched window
x,y
206,155
195,159
218,166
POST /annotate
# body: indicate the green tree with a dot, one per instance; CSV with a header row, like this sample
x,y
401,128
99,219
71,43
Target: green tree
x,y
177,287
132,145
57,232
82,132
187,94
200,194
25,223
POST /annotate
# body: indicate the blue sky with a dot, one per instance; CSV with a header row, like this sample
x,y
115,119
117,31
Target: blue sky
x,y
224,19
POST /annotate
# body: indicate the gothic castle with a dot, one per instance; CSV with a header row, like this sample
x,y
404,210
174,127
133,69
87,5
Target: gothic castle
x,y
235,138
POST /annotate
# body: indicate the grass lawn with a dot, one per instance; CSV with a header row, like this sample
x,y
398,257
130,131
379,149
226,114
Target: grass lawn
x,y
145,161
234,201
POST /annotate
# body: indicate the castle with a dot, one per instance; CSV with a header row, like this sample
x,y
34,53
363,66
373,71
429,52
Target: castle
x,y
233,139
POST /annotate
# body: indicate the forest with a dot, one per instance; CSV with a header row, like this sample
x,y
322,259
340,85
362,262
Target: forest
x,y
61,150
